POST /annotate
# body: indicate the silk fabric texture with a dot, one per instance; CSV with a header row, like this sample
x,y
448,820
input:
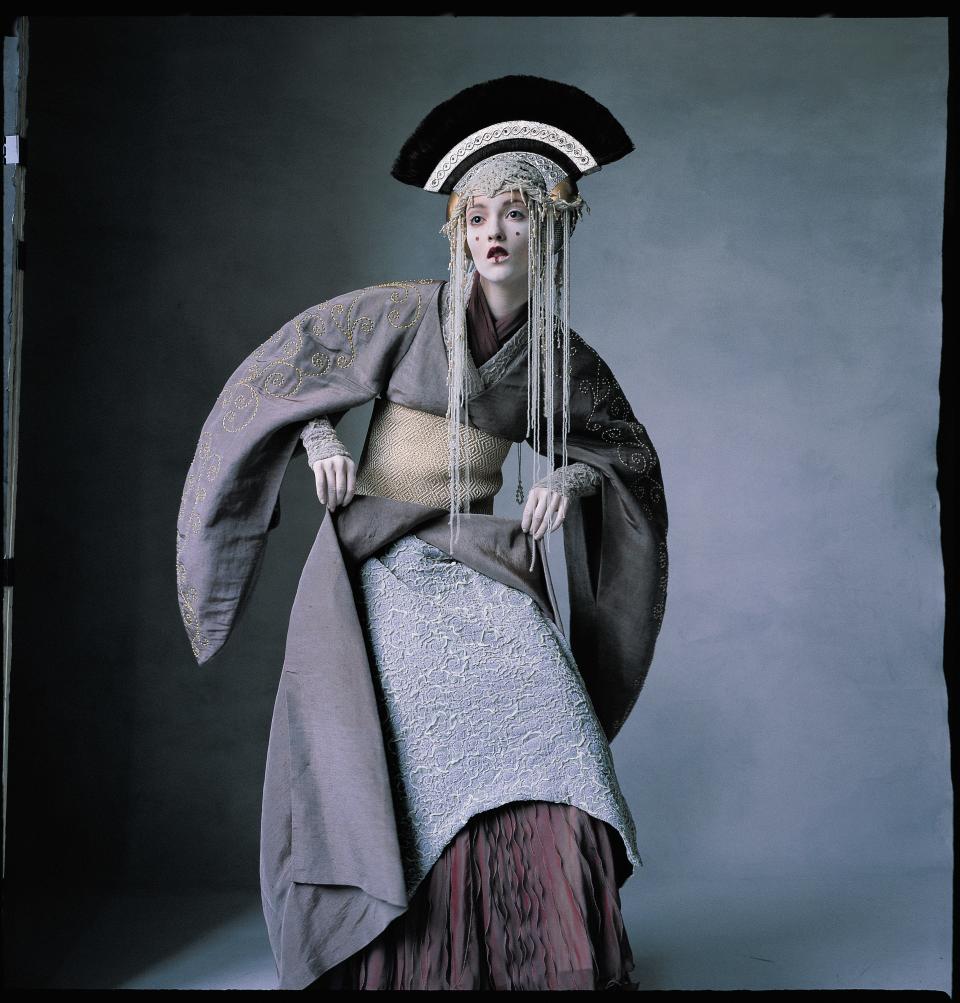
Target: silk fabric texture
x,y
485,333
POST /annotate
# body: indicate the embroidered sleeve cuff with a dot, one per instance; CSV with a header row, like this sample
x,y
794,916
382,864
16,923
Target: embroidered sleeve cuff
x,y
321,441
581,479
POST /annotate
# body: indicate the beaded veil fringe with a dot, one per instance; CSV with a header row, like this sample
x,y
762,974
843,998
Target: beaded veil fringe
x,y
551,222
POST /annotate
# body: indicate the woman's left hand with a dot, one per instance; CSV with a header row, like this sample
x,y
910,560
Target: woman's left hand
x,y
544,510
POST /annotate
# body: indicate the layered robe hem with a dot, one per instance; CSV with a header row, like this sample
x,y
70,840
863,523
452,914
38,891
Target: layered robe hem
x,y
309,845
332,876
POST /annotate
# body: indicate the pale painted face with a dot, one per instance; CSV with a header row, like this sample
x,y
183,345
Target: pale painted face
x,y
498,230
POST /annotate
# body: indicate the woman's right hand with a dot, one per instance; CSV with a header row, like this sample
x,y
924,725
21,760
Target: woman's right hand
x,y
336,477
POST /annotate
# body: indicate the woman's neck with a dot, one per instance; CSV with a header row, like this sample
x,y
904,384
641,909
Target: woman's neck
x,y
503,299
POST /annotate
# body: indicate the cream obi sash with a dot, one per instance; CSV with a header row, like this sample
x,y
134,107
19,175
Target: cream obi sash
x,y
406,457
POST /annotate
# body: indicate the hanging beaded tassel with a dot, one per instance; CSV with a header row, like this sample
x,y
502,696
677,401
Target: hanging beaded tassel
x,y
456,370
549,285
519,495
564,286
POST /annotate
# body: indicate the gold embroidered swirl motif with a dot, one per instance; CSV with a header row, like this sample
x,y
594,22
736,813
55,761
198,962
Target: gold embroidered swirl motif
x,y
272,369
660,604
630,437
400,295
205,467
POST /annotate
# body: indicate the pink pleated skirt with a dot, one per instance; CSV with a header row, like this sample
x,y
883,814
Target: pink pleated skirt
x,y
524,897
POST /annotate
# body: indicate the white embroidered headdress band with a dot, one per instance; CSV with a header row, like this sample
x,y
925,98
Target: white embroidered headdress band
x,y
500,132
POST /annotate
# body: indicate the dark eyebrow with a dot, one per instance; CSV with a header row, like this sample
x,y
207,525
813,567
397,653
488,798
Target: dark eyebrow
x,y
483,205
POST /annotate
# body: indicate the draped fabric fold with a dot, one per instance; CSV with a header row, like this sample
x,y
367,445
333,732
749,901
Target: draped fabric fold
x,y
523,898
615,544
484,333
330,358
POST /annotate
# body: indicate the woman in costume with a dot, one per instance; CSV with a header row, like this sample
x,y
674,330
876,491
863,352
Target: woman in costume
x,y
440,804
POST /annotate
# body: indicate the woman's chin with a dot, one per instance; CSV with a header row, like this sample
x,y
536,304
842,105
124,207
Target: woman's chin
x,y
506,272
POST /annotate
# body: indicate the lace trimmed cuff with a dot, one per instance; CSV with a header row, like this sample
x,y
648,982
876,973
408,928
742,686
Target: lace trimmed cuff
x,y
581,479
321,441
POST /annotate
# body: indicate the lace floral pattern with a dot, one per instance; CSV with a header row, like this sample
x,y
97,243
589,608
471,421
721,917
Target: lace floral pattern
x,y
581,479
481,703
321,441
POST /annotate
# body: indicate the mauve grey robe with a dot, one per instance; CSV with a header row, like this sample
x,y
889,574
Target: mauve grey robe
x,y
331,871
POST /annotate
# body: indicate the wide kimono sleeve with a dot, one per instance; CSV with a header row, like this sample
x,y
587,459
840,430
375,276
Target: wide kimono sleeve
x,y
615,540
332,357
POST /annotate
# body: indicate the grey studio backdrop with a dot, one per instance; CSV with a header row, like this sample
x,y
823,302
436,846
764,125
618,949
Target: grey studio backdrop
x,y
762,275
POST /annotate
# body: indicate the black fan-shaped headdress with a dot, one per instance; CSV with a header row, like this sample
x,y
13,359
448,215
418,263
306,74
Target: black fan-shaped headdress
x,y
519,112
